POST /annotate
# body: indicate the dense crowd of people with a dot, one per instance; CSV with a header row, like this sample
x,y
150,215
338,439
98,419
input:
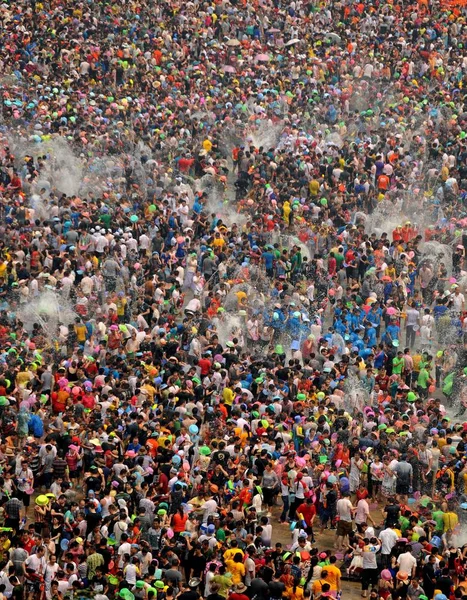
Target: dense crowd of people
x,y
232,300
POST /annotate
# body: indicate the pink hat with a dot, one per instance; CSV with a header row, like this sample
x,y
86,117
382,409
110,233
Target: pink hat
x,y
386,575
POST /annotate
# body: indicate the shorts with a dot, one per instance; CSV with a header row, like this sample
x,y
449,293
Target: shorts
x,y
369,578
25,498
344,528
402,488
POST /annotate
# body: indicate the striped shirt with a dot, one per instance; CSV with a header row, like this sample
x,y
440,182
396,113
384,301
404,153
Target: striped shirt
x,y
13,508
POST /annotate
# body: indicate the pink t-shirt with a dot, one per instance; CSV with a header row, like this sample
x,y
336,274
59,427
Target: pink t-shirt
x,y
363,510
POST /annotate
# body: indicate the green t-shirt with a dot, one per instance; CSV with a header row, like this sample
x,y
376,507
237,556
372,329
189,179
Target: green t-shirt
x,y
423,378
224,582
106,218
438,517
220,535
397,365
404,523
339,260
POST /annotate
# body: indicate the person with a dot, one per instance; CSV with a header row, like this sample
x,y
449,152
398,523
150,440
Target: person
x,y
404,474
369,564
429,576
269,485
345,511
388,538
407,562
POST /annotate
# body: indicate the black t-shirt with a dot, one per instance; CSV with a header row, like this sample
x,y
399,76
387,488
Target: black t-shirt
x,y
331,499
99,583
260,464
220,457
444,583
92,519
106,555
276,588
190,595
266,573
94,483
392,514
259,587
283,374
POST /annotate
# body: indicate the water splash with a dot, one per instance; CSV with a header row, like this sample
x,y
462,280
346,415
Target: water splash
x,y
264,135
356,397
48,310
437,253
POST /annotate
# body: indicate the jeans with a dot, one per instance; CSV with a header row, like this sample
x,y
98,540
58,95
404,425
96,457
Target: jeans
x,y
410,336
285,507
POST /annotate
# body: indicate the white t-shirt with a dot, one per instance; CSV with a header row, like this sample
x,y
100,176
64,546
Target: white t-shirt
x,y
388,539
406,562
36,564
344,511
125,548
249,568
458,301
209,508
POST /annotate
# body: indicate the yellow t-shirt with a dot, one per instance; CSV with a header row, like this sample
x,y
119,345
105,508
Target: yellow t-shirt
x,y
23,378
218,242
231,552
228,396
207,145
237,569
80,331
314,187
333,576
121,303
150,390
294,595
450,521
416,359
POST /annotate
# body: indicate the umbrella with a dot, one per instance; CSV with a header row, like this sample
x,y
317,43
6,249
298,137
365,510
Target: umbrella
x,y
233,42
262,57
228,69
292,42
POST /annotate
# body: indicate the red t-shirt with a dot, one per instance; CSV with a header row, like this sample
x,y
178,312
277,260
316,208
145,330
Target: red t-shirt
x,y
308,511
184,164
204,365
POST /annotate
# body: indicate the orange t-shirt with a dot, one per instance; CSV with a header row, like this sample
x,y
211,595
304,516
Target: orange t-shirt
x,y
153,446
178,522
